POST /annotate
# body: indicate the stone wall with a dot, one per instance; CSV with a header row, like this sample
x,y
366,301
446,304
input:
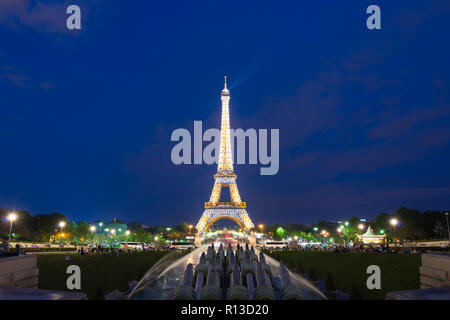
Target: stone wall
x,y
435,270
19,271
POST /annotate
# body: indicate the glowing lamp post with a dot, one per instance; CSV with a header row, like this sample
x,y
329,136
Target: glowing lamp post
x,y
100,224
112,232
360,226
394,223
324,233
92,228
11,217
61,235
339,230
448,227
190,228
127,233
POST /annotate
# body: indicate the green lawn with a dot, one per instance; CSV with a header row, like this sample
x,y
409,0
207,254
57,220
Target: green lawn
x,y
398,271
106,271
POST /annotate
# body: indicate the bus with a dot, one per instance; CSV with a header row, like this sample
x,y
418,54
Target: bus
x,y
131,245
275,245
182,245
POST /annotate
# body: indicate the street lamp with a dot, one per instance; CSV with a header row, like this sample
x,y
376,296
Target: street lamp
x,y
61,225
92,228
127,233
360,226
324,233
100,224
11,217
113,232
340,232
448,227
393,222
190,228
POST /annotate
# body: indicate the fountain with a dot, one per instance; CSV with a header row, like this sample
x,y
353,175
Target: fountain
x,y
225,274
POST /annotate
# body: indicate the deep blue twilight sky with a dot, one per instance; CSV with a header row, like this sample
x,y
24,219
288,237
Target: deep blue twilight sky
x,y
86,116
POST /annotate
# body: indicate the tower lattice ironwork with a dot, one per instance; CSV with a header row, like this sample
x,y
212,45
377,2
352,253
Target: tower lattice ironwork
x,y
225,177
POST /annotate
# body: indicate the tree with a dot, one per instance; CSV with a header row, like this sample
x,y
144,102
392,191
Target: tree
x,y
134,225
182,227
440,229
82,230
139,235
22,227
46,225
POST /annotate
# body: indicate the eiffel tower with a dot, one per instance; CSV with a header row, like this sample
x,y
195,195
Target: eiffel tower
x,y
225,177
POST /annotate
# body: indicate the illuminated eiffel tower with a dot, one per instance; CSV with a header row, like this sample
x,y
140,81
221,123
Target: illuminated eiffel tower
x,y
225,177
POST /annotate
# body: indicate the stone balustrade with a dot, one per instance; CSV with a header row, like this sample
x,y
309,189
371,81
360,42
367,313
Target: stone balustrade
x,y
19,271
435,270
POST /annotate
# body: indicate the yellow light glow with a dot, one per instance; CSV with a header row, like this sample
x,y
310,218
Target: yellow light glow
x,y
394,221
12,216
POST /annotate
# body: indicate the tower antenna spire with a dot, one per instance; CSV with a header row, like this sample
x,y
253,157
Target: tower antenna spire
x,y
225,82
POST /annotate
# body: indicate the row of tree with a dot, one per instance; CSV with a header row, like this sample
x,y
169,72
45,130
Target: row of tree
x,y
45,228
413,225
